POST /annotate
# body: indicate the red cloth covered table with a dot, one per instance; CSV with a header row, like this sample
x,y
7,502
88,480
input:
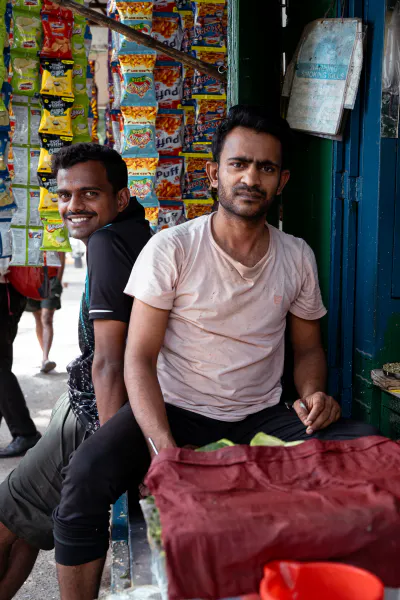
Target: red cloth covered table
x,y
225,514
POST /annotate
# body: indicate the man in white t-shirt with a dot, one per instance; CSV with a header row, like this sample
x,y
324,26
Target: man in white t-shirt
x,y
205,351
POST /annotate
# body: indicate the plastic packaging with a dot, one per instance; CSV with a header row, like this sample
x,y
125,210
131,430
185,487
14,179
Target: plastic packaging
x,y
139,114
27,201
57,37
26,121
55,236
138,61
142,188
170,214
25,70
135,10
51,144
5,239
25,164
167,30
80,120
169,130
26,244
27,31
204,84
187,20
198,208
142,166
169,178
57,77
168,84
142,26
48,202
56,116
33,6
79,76
151,214
138,89
209,28
138,140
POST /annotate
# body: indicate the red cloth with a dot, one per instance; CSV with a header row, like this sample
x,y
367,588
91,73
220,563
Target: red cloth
x,y
225,514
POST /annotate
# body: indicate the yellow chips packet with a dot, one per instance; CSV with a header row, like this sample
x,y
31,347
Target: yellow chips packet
x,y
56,117
48,203
57,77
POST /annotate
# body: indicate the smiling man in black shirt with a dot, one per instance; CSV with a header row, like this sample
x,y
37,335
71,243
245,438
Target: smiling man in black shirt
x,y
95,204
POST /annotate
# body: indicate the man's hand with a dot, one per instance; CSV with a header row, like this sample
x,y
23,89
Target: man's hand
x,y
317,411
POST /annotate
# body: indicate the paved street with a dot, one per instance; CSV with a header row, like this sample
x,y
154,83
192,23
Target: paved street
x,y
41,392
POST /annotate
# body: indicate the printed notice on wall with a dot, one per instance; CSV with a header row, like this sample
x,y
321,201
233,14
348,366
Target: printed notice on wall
x,y
324,75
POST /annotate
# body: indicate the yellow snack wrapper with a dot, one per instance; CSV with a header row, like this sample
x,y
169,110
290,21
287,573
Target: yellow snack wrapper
x,y
139,114
142,165
55,236
56,117
51,144
48,203
198,208
57,77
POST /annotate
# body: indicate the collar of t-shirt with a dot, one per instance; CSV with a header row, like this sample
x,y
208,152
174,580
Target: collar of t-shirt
x,y
134,210
245,272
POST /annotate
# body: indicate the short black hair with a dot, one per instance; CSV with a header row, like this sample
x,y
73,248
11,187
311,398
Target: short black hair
x,y
115,166
258,118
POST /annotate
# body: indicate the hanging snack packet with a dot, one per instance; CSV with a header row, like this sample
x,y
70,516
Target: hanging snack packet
x,y
209,110
88,41
80,121
169,178
27,31
141,166
167,30
196,182
142,188
142,26
187,20
139,114
57,37
51,144
169,130
188,75
117,124
78,39
138,140
208,23
138,88
117,84
170,214
4,147
79,76
204,84
168,84
56,117
189,121
6,198
57,77
198,208
25,165
135,10
33,6
28,207
51,7
5,239
164,5
25,71
48,203
204,132
137,61
55,236
25,122
151,214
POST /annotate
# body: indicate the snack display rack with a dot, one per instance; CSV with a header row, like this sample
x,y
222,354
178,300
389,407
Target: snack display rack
x,y
46,105
162,114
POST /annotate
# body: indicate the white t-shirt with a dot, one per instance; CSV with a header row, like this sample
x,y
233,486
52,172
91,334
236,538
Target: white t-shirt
x,y
223,350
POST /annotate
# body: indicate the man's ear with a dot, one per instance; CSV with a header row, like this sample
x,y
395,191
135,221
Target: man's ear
x,y
212,173
124,196
285,176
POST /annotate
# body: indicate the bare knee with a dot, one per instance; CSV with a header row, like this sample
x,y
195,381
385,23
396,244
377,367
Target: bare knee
x,y
7,537
47,317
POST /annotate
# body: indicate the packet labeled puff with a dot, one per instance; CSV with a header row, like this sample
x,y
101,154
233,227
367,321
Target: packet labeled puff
x,y
135,10
170,214
57,77
142,188
168,84
169,178
51,144
198,208
79,76
143,165
204,84
138,140
167,30
33,6
55,236
27,31
139,114
56,116
142,26
138,89
138,62
169,131
80,120
57,37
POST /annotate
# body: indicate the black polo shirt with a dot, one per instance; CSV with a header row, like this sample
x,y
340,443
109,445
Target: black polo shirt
x,y
111,254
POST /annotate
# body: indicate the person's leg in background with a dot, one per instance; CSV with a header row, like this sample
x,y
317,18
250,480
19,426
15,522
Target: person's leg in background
x,y
47,317
12,402
39,327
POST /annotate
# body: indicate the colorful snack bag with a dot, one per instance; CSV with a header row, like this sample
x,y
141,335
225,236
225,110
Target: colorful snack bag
x,y
57,77
204,84
124,45
188,75
187,20
139,114
169,131
208,23
208,109
135,10
26,246
80,120
138,140
88,40
25,120
189,121
79,76
117,124
138,88
117,84
27,213
25,71
55,236
169,178
51,144
168,84
151,214
142,188
33,6
142,165
48,202
170,214
27,31
5,239
6,198
204,132
4,147
57,37
198,208
164,5
25,165
138,62
51,7
167,30
78,39
56,117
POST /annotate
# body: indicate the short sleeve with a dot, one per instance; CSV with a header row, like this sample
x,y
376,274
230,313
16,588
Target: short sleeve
x,y
154,277
308,304
109,267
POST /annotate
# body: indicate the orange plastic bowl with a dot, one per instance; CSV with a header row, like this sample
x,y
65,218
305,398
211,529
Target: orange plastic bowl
x,y
286,580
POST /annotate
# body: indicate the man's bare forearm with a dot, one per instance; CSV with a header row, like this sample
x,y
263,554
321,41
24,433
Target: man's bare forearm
x,y
310,371
109,387
147,402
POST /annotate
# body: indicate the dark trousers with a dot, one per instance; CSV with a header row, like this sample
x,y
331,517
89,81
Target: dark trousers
x,y
116,458
12,402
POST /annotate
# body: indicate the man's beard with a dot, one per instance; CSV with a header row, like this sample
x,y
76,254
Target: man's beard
x,y
247,212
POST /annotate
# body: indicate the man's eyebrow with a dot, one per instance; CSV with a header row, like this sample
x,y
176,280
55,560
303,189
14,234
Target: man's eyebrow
x,y
259,163
82,189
